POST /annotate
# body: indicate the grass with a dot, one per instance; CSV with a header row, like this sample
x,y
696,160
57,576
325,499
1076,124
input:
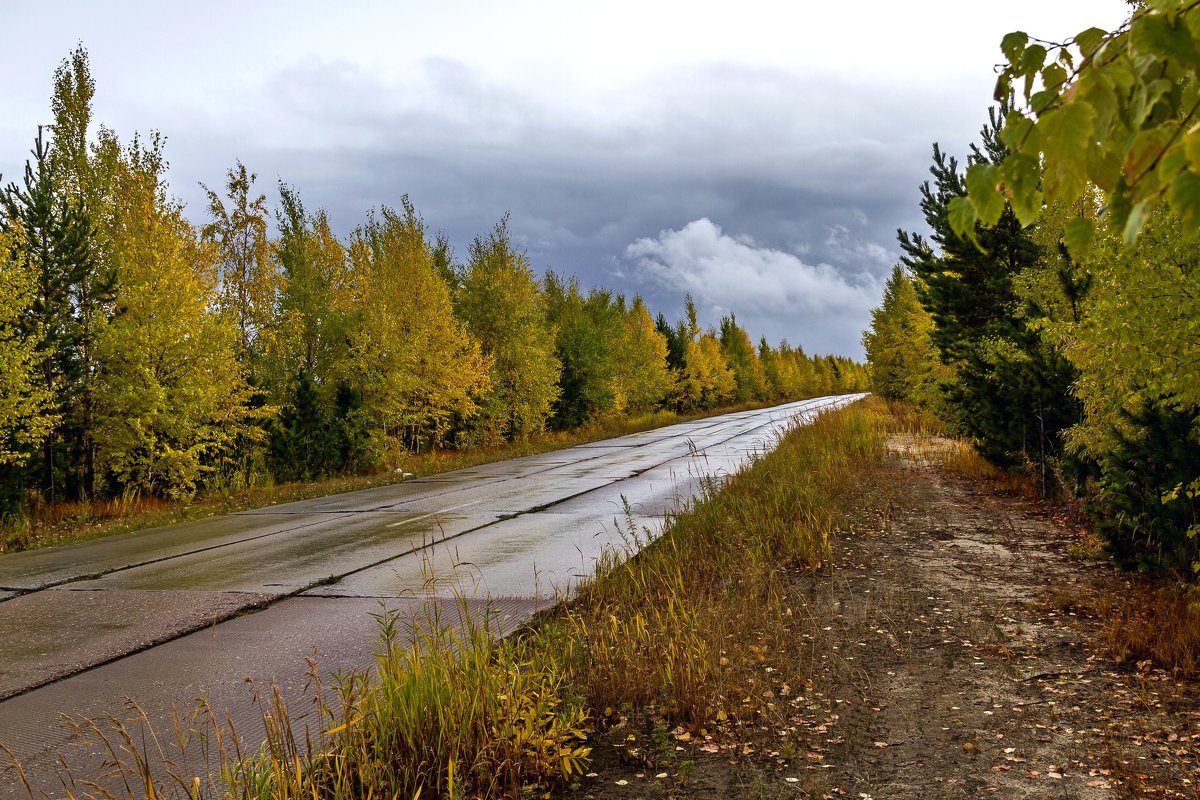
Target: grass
x,y
682,628
682,631
1145,623
66,522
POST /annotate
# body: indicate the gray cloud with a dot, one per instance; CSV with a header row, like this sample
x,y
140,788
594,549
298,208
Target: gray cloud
x,y
821,306
814,166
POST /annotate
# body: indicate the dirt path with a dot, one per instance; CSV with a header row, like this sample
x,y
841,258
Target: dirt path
x,y
945,662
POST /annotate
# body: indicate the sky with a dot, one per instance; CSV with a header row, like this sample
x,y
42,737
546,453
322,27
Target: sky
x,y
759,155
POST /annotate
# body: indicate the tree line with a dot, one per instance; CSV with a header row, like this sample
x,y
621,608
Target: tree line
x,y
141,354
1053,313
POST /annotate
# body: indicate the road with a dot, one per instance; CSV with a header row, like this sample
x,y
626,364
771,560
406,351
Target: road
x,y
193,610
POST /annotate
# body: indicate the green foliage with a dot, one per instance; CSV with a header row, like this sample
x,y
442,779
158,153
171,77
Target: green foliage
x,y
1147,508
1131,334
312,317
590,331
1115,110
1105,131
1009,390
748,374
238,232
26,405
500,302
56,239
676,338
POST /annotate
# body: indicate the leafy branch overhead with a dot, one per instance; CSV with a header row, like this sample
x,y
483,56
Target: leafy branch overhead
x,y
1109,112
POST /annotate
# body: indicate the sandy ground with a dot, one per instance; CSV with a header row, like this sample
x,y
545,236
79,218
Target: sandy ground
x,y
941,662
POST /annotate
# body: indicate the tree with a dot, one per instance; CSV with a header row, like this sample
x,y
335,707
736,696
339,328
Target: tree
x,y
1106,128
1113,110
750,380
1131,336
84,177
642,377
172,397
307,345
413,362
27,409
589,329
1010,390
903,362
71,105
238,233
501,304
55,240
315,294
705,381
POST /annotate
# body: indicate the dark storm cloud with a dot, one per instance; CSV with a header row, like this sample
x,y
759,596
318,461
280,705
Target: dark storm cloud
x,y
820,170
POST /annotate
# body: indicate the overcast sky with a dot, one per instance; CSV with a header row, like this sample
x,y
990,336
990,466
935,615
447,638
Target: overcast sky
x,y
759,155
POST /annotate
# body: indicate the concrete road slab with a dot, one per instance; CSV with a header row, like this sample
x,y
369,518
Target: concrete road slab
x,y
618,467
222,665
507,497
375,499
36,569
496,562
4,595
61,631
288,563
654,493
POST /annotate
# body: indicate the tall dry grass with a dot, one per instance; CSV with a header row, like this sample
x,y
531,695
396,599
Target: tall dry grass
x,y
679,627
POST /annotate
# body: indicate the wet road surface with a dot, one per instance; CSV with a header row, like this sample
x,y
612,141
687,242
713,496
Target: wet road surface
x,y
162,615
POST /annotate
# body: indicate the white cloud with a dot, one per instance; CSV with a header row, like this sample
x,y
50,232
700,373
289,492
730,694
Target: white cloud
x,y
772,291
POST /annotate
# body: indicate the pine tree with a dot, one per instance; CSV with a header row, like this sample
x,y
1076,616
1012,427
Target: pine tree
x,y
55,245
1010,391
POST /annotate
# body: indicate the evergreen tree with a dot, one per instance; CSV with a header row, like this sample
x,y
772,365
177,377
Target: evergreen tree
x,y
1010,390
54,237
676,338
